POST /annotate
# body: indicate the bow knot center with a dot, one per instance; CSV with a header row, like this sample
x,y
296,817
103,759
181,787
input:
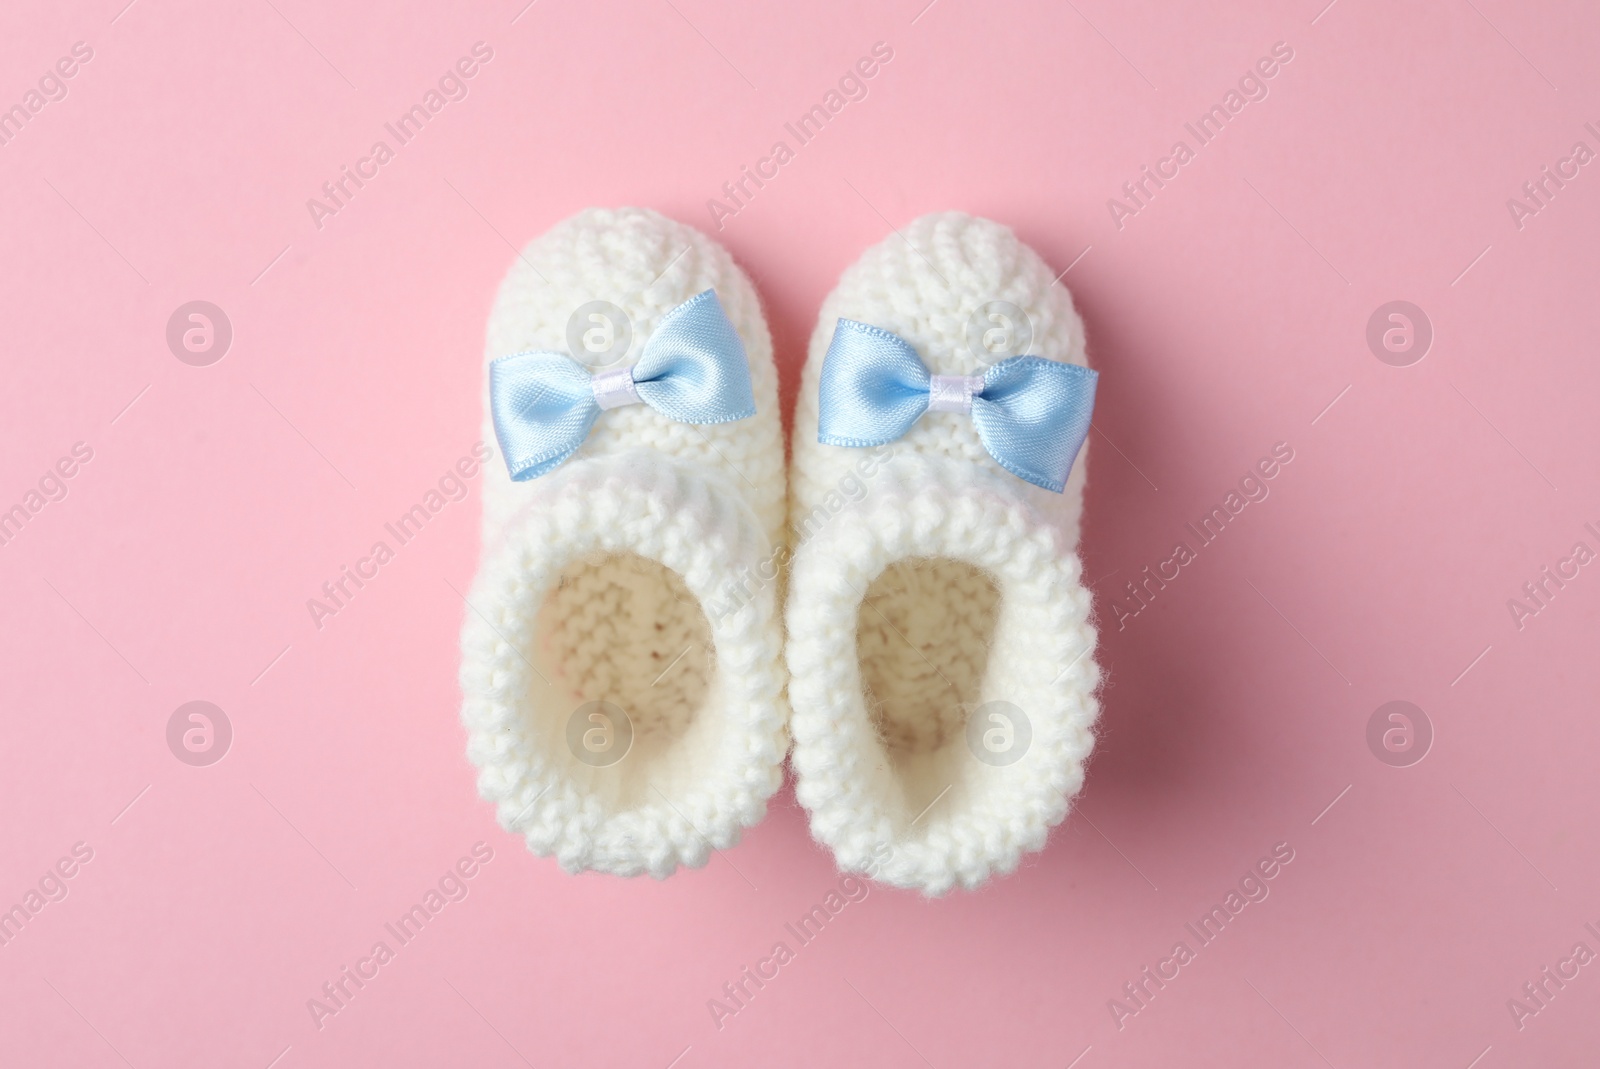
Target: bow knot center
x,y
615,388
953,393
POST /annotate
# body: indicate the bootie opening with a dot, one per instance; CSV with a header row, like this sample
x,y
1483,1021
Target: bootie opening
x,y
629,658
923,635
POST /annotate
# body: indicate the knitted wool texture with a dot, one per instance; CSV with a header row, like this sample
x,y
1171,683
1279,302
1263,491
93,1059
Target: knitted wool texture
x,y
605,579
931,582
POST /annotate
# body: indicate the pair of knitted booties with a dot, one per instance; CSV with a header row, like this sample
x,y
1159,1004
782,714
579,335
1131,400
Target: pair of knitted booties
x,y
631,687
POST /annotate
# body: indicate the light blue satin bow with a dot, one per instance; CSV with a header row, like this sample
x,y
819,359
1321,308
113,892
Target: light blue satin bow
x,y
1032,414
692,370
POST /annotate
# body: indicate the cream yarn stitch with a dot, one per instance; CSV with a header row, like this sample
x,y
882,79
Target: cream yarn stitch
x,y
605,580
931,583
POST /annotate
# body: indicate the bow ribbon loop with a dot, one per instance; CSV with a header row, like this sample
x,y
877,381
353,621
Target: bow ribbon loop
x,y
692,370
1032,414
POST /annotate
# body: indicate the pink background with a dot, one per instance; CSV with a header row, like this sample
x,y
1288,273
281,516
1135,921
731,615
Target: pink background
x,y
1225,317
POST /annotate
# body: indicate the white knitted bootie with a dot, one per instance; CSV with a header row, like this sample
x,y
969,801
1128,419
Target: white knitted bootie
x,y
940,647
624,713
